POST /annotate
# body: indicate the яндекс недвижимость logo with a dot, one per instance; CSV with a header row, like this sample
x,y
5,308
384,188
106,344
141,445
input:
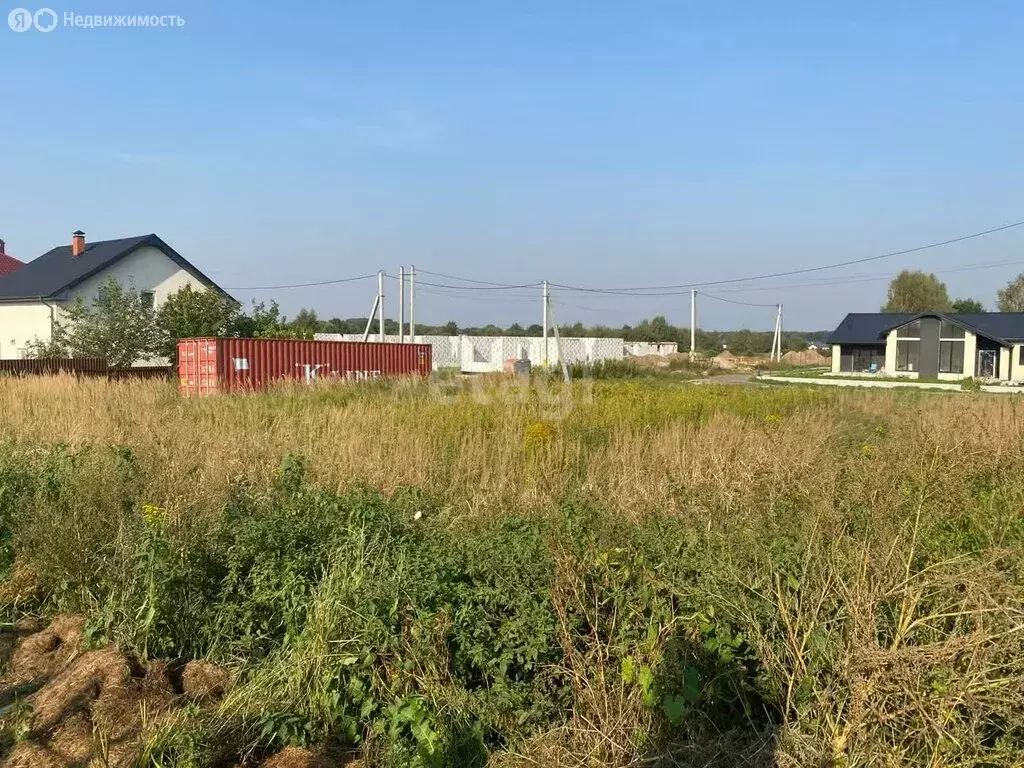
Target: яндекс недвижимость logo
x,y
47,20
22,20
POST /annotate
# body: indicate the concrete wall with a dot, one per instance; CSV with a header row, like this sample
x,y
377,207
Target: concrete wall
x,y
837,358
484,354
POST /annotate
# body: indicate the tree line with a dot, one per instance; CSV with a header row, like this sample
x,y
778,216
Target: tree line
x,y
122,327
917,291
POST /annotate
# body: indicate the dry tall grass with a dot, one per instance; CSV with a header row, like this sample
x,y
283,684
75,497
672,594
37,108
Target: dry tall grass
x,y
891,635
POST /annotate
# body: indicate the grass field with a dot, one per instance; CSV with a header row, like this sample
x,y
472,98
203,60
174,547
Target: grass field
x,y
625,572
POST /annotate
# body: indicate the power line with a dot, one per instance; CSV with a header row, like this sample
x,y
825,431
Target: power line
x,y
305,285
496,287
789,273
879,277
733,301
469,280
471,297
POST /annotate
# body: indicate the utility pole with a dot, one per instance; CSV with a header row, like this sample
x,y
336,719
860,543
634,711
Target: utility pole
x,y
776,353
558,344
693,323
401,305
373,311
412,303
780,334
544,321
380,305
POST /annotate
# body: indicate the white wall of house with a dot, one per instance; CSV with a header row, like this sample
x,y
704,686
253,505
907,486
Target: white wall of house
x,y
1004,363
20,323
970,355
890,357
837,358
147,269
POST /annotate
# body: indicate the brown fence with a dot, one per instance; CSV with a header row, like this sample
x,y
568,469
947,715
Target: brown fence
x,y
80,366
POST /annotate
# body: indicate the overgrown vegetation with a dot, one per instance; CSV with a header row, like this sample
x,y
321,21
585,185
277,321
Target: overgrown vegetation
x,y
512,574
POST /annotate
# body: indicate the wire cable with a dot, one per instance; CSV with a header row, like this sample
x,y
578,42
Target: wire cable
x,y
304,285
789,273
733,301
469,280
496,287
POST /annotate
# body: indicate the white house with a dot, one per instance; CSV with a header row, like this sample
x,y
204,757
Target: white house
x,y
33,296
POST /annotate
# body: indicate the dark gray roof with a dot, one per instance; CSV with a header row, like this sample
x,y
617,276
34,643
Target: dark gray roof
x,y
57,271
1006,326
872,327
868,327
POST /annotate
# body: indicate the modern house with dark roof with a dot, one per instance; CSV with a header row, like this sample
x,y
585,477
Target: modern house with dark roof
x,y
931,345
32,297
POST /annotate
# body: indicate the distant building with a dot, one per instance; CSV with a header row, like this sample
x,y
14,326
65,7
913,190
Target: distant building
x,y
33,295
8,263
931,345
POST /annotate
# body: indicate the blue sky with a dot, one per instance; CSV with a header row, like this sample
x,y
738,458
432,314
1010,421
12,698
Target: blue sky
x,y
588,143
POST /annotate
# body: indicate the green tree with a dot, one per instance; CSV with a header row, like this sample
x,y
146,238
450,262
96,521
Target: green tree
x,y
916,291
305,323
968,306
117,325
261,322
1011,298
190,313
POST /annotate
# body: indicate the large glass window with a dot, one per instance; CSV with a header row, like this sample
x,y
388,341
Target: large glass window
x,y
907,354
909,331
951,357
950,330
951,347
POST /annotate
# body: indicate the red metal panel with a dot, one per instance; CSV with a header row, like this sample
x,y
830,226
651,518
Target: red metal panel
x,y
212,365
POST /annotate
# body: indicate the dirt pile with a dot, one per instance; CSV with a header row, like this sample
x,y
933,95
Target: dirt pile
x,y
805,357
203,681
724,359
651,361
68,706
296,757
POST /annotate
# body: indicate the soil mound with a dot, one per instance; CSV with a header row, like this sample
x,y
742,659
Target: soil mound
x,y
202,680
71,706
724,359
651,361
296,757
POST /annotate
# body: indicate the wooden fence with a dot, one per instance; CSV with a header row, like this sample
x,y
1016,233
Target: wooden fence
x,y
80,366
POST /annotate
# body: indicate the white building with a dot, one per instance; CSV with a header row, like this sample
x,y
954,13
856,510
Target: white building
x,y
33,296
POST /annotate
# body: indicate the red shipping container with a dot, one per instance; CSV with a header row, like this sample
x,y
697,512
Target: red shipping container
x,y
213,365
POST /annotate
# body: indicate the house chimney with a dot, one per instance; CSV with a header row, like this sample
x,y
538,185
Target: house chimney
x,y
77,242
